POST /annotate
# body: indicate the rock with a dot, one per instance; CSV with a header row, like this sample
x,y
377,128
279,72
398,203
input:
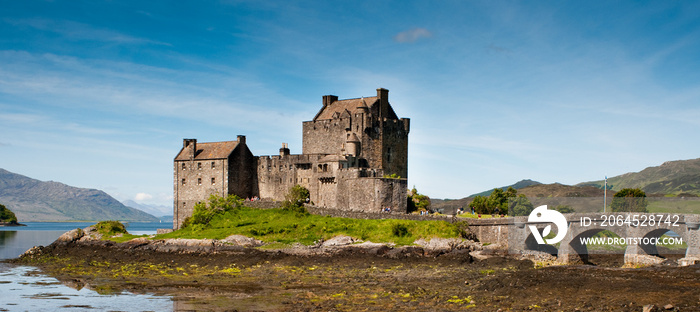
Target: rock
x,y
91,233
370,248
244,241
687,261
405,252
480,255
644,260
32,251
186,245
437,246
648,308
70,236
668,307
341,240
137,242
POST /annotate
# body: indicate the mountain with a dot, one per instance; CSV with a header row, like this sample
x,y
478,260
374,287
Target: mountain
x,y
562,190
34,200
518,185
156,210
680,177
449,206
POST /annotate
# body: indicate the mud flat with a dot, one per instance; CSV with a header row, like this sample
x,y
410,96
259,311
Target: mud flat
x,y
233,274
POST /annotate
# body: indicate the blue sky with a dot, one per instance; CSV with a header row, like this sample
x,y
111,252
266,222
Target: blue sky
x,y
100,94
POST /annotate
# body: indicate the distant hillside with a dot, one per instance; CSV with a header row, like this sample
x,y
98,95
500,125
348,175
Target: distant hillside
x,y
672,177
156,210
561,190
518,185
34,200
448,206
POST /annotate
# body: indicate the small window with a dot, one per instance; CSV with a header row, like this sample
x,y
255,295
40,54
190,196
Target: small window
x,y
199,165
184,166
199,181
213,165
183,181
213,181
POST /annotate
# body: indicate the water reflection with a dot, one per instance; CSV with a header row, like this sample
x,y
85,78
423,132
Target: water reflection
x,y
15,243
24,288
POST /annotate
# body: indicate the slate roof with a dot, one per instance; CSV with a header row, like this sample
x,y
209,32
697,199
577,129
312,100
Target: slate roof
x,y
212,150
342,105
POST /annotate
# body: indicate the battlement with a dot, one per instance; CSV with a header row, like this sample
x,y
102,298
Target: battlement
x,y
347,150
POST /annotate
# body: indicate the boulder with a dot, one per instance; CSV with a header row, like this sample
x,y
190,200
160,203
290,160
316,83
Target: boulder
x,y
438,246
240,240
70,236
405,252
186,245
341,240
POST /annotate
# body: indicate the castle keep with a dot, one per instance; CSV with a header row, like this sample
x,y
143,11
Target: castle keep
x,y
354,157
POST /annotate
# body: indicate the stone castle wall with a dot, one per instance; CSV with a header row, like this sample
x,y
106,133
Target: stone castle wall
x,y
194,181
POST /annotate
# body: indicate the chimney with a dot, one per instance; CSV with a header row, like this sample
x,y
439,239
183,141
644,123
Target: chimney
x,y
329,99
284,150
191,146
241,139
383,96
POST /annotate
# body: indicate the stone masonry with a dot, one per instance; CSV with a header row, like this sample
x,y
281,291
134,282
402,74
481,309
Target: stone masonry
x,y
354,157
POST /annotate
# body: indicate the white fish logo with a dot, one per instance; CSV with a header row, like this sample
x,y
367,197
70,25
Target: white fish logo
x,y
542,214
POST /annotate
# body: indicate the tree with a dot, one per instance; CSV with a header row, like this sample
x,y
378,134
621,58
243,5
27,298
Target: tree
x,y
6,215
480,205
564,209
417,201
497,200
630,200
521,206
295,199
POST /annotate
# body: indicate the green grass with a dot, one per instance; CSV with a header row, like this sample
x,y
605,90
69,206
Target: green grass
x,y
287,227
687,206
110,228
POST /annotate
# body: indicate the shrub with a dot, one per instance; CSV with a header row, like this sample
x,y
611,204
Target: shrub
x,y
417,201
295,200
630,200
110,228
203,213
400,230
6,215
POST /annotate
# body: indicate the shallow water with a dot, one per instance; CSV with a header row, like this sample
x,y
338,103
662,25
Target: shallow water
x,y
25,288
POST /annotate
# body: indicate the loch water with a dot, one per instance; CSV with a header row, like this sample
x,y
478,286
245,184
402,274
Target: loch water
x,y
26,288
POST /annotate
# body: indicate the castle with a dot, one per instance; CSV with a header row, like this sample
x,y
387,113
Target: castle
x,y
354,157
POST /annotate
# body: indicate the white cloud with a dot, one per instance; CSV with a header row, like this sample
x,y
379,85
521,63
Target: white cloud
x,y
412,35
142,196
79,31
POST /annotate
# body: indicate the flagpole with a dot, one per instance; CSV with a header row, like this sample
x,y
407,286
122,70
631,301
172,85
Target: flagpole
x,y
605,193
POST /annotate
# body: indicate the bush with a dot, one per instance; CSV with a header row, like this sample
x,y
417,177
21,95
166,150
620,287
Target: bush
x,y
417,202
564,209
400,230
203,213
6,215
110,228
629,200
295,200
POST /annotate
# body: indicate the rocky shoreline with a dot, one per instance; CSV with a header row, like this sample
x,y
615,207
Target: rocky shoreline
x,y
236,243
11,224
238,273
